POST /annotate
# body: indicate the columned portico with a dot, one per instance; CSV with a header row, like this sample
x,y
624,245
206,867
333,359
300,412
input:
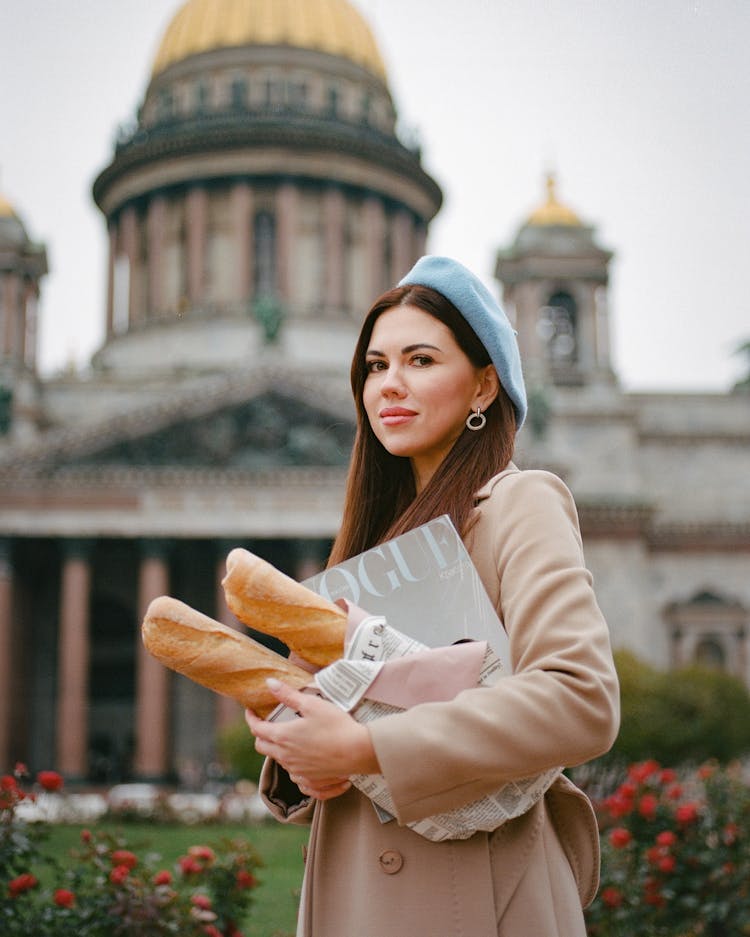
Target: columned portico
x,y
73,660
152,703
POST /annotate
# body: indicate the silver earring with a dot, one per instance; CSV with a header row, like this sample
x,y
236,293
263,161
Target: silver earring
x,y
475,421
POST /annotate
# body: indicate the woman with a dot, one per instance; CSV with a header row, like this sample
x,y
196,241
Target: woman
x,y
437,383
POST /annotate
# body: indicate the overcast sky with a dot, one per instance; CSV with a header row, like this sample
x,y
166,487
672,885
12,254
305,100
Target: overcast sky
x,y
641,108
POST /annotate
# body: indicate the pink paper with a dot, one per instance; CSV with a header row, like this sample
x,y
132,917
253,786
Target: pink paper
x,y
430,676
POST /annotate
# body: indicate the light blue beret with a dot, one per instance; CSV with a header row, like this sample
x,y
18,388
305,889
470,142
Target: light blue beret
x,y
483,313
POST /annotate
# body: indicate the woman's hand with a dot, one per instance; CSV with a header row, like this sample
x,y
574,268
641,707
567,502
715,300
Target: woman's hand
x,y
321,749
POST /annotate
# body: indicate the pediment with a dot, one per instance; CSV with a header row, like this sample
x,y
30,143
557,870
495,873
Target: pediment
x,y
263,432
254,422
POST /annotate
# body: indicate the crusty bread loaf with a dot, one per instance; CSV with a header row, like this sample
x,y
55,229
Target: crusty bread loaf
x,y
216,656
264,598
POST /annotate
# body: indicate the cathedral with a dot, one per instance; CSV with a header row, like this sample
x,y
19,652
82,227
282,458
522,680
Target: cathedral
x,y
259,203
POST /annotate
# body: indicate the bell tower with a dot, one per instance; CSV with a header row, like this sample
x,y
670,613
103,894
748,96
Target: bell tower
x,y
23,263
554,278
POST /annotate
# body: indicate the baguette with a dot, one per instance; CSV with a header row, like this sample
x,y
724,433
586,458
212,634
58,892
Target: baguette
x,y
265,599
216,656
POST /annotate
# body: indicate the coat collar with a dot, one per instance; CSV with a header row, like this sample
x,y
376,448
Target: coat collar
x,y
486,490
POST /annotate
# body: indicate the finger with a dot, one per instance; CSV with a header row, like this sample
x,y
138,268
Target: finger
x,y
254,722
299,702
326,793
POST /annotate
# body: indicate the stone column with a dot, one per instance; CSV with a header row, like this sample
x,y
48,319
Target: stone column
x,y
420,240
196,218
401,241
73,660
374,227
227,710
334,224
6,655
242,222
112,232
131,248
8,340
287,198
152,703
155,232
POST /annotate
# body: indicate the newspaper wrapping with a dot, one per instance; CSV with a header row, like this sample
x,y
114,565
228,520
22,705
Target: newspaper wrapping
x,y
346,683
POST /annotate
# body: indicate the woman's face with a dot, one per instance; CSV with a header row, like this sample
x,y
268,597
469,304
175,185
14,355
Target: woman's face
x,y
420,387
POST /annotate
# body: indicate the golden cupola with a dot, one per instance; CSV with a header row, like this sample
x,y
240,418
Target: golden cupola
x,y
552,211
262,182
331,26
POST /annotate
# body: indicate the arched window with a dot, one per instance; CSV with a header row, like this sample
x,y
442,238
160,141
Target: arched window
x,y
239,93
710,653
558,327
332,103
201,97
710,630
264,241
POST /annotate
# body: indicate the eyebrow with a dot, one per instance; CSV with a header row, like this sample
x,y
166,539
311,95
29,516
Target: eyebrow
x,y
404,351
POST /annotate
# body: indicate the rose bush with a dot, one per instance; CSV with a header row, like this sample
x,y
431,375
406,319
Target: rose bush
x,y
675,854
107,889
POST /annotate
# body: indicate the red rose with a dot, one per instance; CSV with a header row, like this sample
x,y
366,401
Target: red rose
x,y
20,770
212,931
674,792
86,836
22,883
202,901
612,897
706,771
647,806
64,898
118,875
668,776
202,852
163,878
666,838
687,813
246,879
620,837
667,864
124,857
654,854
730,833
641,772
50,780
189,866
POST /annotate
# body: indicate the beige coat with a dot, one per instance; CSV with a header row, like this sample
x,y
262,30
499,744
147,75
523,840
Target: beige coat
x,y
532,876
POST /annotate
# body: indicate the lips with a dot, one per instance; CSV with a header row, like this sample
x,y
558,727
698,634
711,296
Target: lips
x,y
393,416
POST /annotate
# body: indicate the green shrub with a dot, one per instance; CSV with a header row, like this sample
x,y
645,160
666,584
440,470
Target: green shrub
x,y
686,715
237,749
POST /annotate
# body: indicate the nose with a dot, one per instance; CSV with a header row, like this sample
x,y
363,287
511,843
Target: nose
x,y
392,383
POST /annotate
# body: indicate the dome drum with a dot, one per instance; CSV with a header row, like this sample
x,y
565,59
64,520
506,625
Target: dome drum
x,y
220,249
267,79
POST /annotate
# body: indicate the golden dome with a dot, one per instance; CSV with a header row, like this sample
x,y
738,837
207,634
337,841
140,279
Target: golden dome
x,y
6,209
332,26
552,212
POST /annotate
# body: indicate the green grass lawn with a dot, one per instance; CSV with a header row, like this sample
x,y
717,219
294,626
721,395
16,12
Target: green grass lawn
x,y
274,910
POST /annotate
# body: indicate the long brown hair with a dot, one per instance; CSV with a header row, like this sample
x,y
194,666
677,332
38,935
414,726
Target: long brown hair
x,y
381,499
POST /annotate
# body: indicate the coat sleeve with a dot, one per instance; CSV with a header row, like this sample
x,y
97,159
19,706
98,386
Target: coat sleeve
x,y
282,797
560,707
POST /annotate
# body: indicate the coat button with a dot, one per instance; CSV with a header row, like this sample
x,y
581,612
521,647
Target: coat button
x,y
391,861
